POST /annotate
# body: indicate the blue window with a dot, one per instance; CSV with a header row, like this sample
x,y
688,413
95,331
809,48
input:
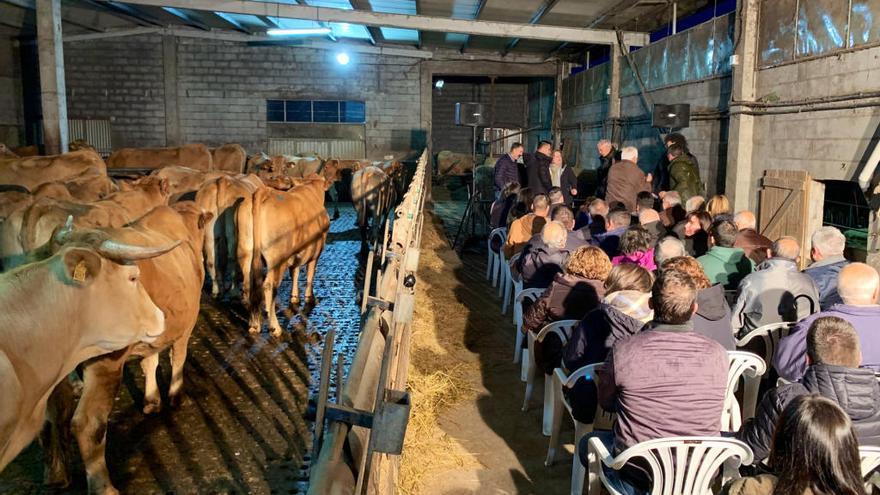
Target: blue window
x,y
275,110
326,111
316,111
352,111
298,111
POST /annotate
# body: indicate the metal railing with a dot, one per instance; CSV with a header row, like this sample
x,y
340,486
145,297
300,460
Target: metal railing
x,y
371,408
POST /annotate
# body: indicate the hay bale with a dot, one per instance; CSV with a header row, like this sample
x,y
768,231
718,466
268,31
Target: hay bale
x,y
452,163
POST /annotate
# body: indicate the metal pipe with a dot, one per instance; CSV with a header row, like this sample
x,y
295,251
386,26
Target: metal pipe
x,y
674,17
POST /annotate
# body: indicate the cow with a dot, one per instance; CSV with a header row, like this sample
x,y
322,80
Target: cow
x,y
194,156
82,188
183,180
11,201
372,192
289,230
31,172
229,158
77,304
174,282
80,144
221,197
5,152
26,151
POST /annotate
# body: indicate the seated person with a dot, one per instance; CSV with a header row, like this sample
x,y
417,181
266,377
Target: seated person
x,y
636,248
712,318
650,220
754,244
827,255
665,381
623,312
667,248
725,264
776,291
694,231
814,452
673,212
501,207
522,229
571,295
554,194
833,358
616,224
695,203
718,205
592,217
540,264
859,287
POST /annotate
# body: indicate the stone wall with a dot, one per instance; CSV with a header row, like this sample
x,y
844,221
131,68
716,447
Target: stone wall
x,y
11,112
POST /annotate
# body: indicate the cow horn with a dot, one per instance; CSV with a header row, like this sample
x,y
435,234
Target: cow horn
x,y
125,252
62,233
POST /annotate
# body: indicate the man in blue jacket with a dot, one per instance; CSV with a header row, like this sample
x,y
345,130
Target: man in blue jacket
x,y
827,255
506,168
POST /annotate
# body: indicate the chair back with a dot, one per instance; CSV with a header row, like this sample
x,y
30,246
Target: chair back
x,y
770,334
870,457
499,234
522,296
561,328
742,365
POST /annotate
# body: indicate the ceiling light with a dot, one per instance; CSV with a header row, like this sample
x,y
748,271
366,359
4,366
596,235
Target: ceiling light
x,y
439,84
342,58
294,32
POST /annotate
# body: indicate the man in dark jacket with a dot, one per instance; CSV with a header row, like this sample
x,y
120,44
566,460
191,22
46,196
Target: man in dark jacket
x,y
661,170
626,180
684,176
541,263
827,255
615,225
607,156
748,239
834,354
538,169
506,168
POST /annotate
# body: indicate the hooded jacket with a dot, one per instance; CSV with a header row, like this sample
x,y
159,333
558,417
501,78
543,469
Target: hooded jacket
x,y
713,316
855,390
539,264
644,259
825,273
684,178
774,293
726,266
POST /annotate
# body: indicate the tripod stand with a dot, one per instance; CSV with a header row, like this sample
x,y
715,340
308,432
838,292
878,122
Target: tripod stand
x,y
474,212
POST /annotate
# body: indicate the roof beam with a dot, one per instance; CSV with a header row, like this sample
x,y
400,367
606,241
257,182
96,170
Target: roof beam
x,y
480,7
403,21
419,12
231,22
31,5
188,19
539,14
126,12
617,9
374,32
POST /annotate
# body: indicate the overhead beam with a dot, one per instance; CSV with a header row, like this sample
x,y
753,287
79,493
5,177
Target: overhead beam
x,y
419,12
539,14
374,32
31,5
619,8
124,13
231,22
479,11
188,19
403,21
268,22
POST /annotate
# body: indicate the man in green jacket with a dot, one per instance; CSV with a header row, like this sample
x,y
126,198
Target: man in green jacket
x,y
684,176
725,264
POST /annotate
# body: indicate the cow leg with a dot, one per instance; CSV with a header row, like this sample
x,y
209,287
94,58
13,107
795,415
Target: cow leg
x,y
210,260
230,243
273,277
334,197
101,383
56,438
310,278
178,359
9,408
152,398
294,278
245,249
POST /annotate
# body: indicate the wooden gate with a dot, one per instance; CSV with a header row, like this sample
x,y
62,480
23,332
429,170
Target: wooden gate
x,y
791,204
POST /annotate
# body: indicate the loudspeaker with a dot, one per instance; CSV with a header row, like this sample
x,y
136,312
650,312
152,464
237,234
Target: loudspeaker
x,y
470,114
671,116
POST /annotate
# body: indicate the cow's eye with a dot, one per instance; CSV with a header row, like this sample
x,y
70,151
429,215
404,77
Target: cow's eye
x,y
133,277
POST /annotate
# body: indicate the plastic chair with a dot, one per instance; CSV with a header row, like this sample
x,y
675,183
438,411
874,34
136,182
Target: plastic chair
x,y
870,462
750,367
503,272
511,287
521,297
493,257
771,335
679,465
562,329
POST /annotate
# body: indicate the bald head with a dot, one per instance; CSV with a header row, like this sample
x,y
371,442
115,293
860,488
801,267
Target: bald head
x,y
786,247
554,235
745,220
648,216
858,284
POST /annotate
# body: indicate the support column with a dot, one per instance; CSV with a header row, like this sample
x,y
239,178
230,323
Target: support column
x,y
614,106
53,96
426,93
172,115
741,177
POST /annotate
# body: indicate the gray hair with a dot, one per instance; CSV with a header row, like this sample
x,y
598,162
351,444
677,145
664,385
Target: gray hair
x,y
829,241
554,234
694,203
606,142
629,153
669,247
672,197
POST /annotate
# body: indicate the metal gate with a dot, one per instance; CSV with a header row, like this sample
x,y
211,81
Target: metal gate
x,y
326,148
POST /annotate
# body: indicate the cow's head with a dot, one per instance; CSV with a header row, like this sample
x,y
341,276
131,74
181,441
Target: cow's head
x,y
5,152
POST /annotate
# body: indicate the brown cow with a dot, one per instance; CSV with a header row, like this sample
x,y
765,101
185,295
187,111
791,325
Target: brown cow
x,y
25,151
73,306
194,156
373,194
31,172
174,283
182,180
83,188
289,230
229,158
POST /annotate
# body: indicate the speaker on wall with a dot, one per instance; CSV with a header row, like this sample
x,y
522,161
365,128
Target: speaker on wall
x,y
671,116
470,114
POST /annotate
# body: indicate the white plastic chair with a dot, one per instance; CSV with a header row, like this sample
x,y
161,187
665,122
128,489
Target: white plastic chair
x,y
870,462
750,367
679,465
511,287
521,297
771,335
503,272
562,329
493,257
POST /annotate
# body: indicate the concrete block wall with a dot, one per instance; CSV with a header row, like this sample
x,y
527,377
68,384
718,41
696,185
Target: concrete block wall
x,y
11,111
510,111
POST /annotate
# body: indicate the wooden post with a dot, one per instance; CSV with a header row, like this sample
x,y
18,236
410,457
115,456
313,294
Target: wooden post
x,y
614,107
53,96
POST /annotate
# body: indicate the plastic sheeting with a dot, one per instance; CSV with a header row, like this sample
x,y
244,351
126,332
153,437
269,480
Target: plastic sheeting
x,y
864,24
776,32
821,26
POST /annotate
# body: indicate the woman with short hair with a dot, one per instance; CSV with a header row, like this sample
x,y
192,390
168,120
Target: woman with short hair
x,y
635,247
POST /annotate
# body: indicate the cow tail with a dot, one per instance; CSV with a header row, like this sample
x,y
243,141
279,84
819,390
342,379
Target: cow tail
x,y
257,255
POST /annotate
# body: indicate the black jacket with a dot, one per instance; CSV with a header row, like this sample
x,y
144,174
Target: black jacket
x,y
605,163
539,264
855,390
567,182
538,172
713,316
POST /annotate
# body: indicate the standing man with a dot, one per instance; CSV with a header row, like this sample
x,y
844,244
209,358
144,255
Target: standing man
x,y
626,180
684,176
538,169
607,156
506,170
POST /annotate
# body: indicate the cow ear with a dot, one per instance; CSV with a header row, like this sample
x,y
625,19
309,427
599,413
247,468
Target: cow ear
x,y
204,218
81,266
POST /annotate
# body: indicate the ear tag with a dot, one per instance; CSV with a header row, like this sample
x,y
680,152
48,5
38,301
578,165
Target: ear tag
x,y
80,271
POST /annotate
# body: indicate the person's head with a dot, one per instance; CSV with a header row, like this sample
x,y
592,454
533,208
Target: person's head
x,y
675,138
690,267
674,151
554,235
718,205
555,196
516,150
589,262
827,241
745,220
858,285
604,147
815,449
511,189
630,153
785,247
648,216
723,233
635,239
670,199
563,215
598,208
644,201
545,147
673,297
541,205
832,340
694,203
556,159
667,248
617,219
697,221
628,276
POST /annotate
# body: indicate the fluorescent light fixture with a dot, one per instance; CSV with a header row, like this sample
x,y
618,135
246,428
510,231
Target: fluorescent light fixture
x,y
301,31
345,27
342,58
439,84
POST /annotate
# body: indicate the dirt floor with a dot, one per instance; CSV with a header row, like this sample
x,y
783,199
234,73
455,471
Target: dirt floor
x,y
241,428
483,442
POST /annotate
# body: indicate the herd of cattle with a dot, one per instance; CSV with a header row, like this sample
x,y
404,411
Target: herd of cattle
x,y
97,271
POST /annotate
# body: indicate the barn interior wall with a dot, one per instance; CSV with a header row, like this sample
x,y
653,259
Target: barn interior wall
x,y
222,88
510,111
11,110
